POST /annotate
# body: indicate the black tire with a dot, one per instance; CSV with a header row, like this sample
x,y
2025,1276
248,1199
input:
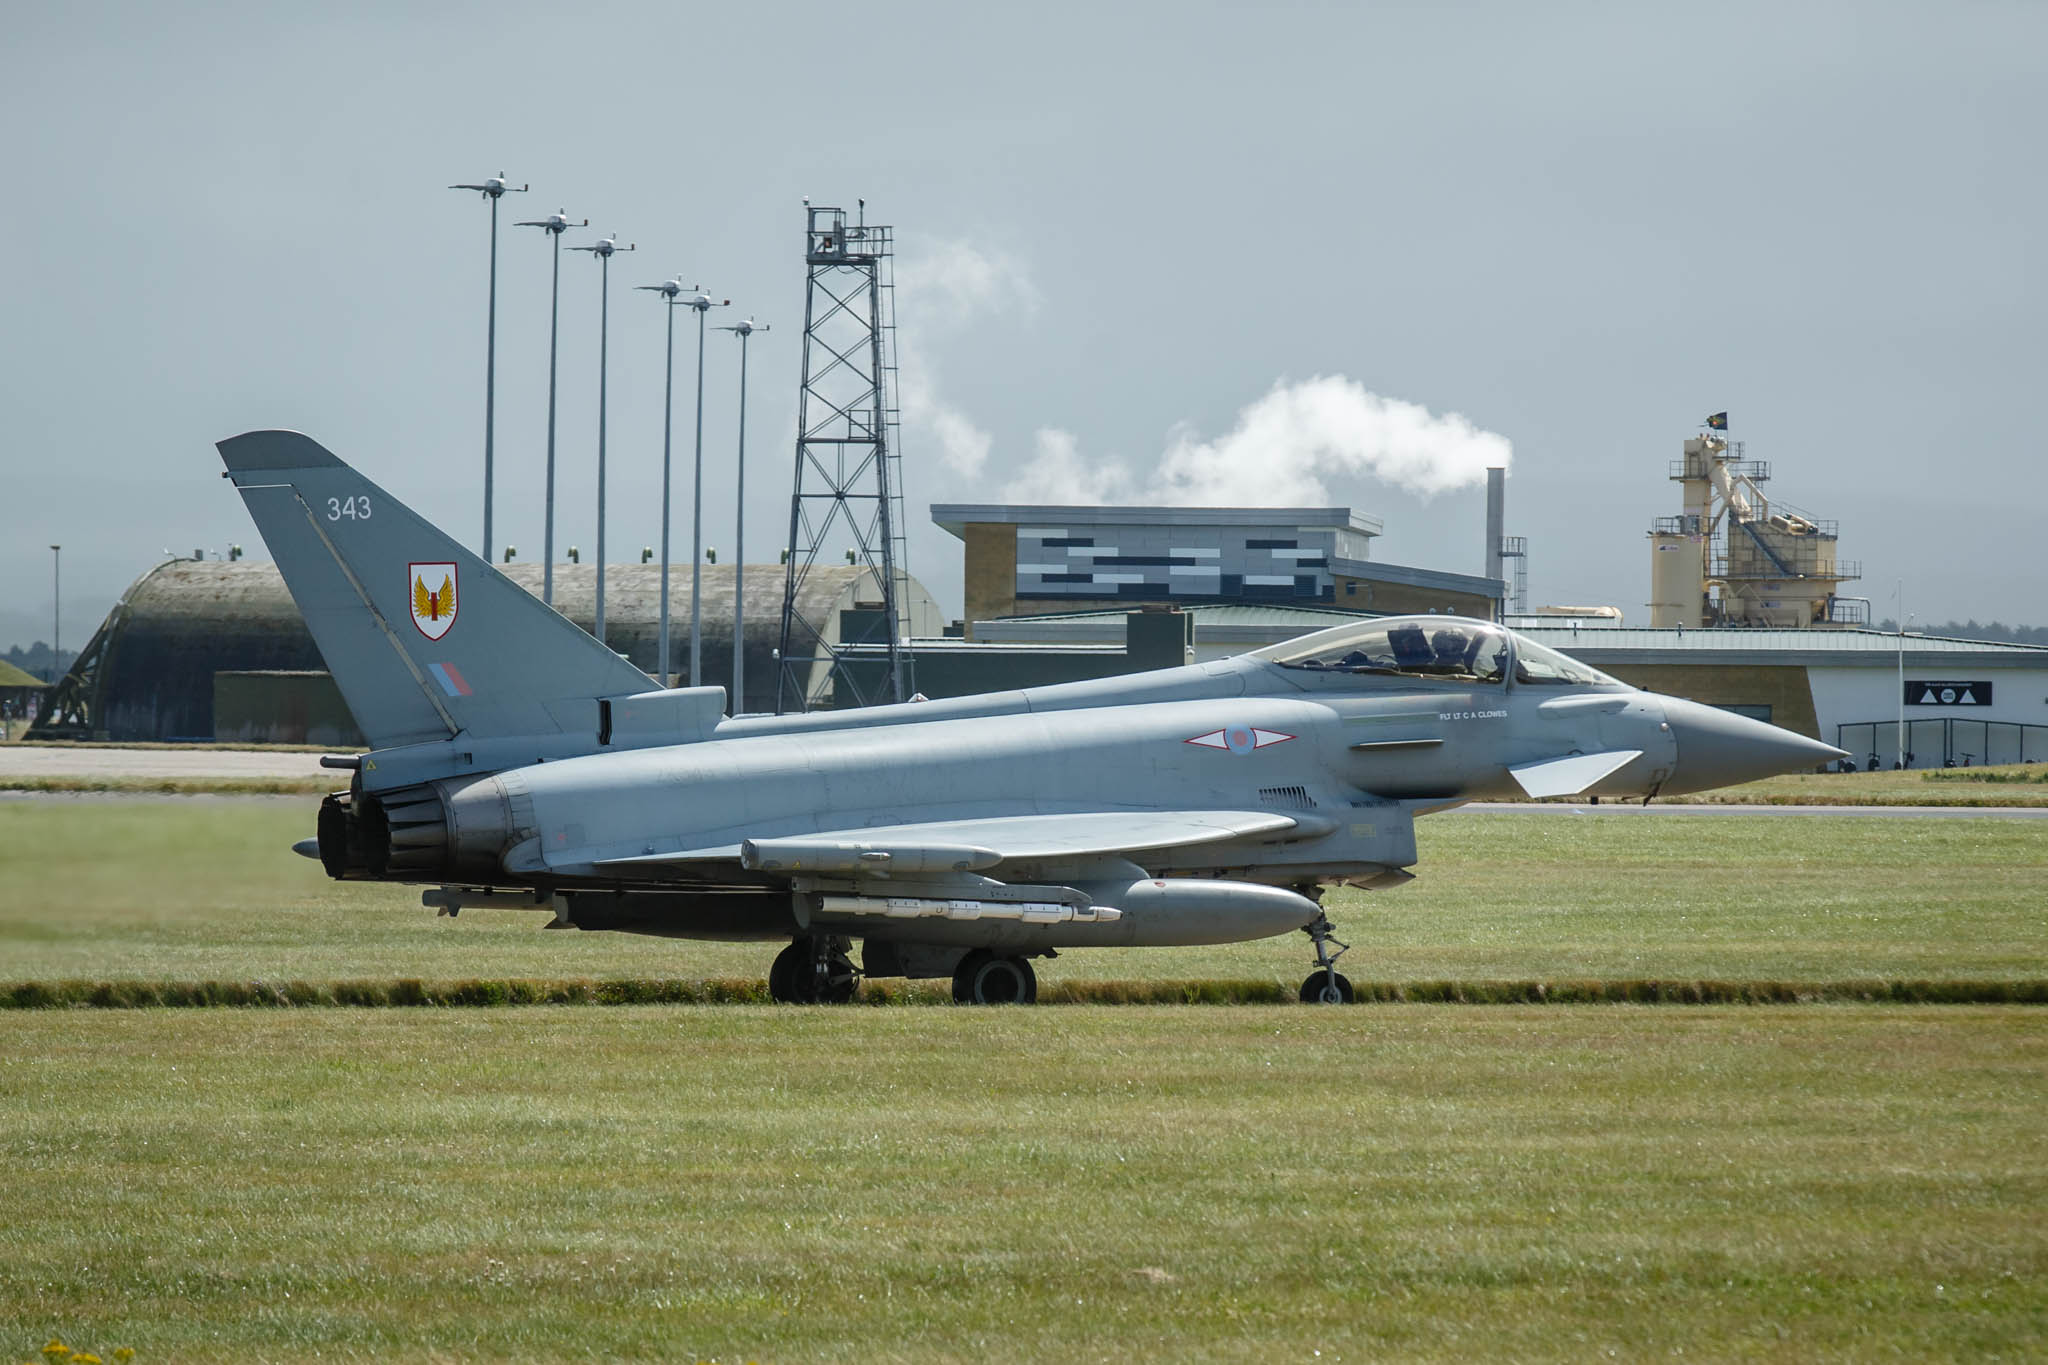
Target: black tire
x,y
984,978
789,973
1326,988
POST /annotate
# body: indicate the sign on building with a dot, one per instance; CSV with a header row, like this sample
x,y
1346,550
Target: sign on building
x,y
1919,693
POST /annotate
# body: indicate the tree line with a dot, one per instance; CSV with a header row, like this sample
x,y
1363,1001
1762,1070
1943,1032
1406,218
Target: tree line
x,y
1975,630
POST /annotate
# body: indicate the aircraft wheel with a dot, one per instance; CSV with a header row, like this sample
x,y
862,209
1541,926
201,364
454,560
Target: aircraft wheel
x,y
1326,988
789,973
983,978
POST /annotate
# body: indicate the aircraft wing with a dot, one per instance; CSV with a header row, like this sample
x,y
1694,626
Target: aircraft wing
x,y
978,844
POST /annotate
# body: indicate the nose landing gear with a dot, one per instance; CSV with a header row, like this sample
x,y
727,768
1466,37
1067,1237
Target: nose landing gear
x,y
1325,985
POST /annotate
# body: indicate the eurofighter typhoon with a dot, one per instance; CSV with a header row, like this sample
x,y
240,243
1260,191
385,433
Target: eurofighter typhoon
x,y
514,760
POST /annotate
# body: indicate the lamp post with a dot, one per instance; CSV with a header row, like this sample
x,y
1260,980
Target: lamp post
x,y
493,189
742,330
603,249
56,612
669,290
1904,617
703,303
556,223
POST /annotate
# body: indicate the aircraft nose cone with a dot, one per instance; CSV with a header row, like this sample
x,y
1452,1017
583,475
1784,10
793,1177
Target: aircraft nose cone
x,y
1718,748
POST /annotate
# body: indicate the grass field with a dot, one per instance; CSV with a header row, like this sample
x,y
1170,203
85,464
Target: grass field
x,y
1082,1184
2013,784
1087,1182
208,889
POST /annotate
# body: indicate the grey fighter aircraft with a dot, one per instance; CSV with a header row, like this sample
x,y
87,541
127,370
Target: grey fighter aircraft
x,y
515,761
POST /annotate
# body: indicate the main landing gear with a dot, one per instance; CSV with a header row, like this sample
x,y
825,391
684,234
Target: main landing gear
x,y
813,971
1325,985
983,978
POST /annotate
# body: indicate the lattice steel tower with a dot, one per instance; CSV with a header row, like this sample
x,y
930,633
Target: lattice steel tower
x,y
848,491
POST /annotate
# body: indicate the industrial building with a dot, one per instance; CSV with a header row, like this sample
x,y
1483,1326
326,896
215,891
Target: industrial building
x,y
1023,560
206,649
1732,557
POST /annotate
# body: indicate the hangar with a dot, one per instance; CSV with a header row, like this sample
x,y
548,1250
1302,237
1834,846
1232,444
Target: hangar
x,y
199,649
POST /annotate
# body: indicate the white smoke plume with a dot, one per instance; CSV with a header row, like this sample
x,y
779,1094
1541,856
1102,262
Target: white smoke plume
x,y
1286,443
1058,474
962,445
1282,449
942,288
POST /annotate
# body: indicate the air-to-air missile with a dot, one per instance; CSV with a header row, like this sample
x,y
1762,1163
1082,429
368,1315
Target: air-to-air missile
x,y
514,760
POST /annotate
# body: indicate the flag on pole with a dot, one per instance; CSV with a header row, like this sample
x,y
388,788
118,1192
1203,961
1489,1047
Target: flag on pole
x,y
1718,422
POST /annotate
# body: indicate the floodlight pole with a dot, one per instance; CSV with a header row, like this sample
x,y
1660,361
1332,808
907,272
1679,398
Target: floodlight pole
x,y
1904,617
703,303
493,189
669,290
56,612
603,250
743,330
556,223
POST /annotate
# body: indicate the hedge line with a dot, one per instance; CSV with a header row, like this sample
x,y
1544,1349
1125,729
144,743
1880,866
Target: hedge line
x,y
648,991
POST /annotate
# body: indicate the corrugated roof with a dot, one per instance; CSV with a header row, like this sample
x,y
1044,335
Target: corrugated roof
x,y
955,516
1271,623
1742,641
1221,613
10,676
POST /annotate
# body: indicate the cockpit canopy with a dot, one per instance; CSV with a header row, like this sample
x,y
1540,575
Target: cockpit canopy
x,y
1449,648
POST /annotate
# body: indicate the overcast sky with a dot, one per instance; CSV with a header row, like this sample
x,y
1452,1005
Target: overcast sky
x,y
1580,227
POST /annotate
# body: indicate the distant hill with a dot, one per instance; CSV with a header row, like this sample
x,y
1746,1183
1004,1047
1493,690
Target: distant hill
x,y
1973,630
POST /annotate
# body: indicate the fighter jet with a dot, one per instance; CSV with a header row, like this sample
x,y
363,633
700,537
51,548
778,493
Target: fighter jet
x,y
516,761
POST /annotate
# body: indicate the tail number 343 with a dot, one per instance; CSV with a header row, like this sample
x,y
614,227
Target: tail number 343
x,y
349,509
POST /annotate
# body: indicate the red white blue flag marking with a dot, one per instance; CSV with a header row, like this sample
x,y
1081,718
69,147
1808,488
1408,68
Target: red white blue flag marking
x,y
451,679
1240,739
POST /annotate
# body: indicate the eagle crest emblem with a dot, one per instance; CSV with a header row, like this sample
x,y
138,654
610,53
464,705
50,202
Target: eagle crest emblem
x,y
433,598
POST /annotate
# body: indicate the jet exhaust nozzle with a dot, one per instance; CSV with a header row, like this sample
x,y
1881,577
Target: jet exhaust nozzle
x,y
453,828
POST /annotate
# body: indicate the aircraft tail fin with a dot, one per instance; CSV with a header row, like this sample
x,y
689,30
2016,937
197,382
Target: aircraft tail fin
x,y
425,640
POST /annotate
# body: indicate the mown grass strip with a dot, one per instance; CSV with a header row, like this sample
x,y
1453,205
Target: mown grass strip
x,y
485,994
177,786
187,746
1737,796
2028,773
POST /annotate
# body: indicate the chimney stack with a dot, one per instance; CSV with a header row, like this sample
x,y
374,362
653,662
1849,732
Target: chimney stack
x,y
1496,518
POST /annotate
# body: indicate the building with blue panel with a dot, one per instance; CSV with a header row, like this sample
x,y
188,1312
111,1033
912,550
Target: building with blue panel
x,y
1030,560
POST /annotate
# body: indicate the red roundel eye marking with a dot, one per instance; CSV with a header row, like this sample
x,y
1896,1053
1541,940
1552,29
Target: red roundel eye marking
x,y
1239,739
